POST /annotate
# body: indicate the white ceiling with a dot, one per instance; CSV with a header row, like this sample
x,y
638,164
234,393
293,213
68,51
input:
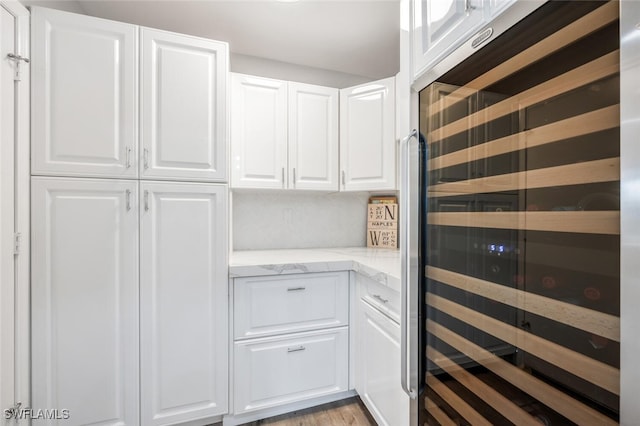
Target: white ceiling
x,y
359,37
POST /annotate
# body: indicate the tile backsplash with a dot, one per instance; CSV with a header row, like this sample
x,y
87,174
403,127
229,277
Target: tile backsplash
x,y
281,220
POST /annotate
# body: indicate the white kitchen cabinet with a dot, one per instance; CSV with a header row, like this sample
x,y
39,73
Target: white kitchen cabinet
x,y
291,339
272,305
183,107
85,75
112,345
274,371
439,27
284,135
84,294
183,295
313,137
85,83
258,132
367,137
377,336
378,384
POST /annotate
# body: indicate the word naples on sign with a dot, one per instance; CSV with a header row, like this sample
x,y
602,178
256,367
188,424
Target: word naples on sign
x,y
382,222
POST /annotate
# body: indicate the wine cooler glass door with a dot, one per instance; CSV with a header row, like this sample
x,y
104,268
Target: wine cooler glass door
x,y
522,225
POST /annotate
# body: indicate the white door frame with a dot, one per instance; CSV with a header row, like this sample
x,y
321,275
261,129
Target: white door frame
x,y
22,388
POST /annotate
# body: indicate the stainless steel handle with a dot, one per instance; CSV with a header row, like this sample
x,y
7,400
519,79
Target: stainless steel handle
x,y
296,288
145,158
17,58
294,177
380,298
128,158
128,202
146,201
283,178
298,349
344,179
408,360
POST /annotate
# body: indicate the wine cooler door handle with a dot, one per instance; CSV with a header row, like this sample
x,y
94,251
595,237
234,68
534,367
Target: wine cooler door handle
x,y
409,308
409,289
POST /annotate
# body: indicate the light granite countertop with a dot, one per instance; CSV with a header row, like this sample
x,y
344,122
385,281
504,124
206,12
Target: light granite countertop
x,y
381,265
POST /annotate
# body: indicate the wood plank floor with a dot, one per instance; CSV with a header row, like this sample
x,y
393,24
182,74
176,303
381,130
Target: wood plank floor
x,y
350,411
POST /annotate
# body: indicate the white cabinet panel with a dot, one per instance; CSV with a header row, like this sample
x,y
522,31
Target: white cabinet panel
x,y
367,136
258,132
274,371
283,304
84,78
184,302
8,95
378,385
440,27
313,137
85,299
183,107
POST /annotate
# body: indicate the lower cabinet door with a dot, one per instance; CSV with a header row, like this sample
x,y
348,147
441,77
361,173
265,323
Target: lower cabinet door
x,y
84,301
275,371
184,306
378,368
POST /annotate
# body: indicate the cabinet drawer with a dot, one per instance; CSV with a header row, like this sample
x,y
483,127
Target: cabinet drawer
x,y
275,371
272,305
380,296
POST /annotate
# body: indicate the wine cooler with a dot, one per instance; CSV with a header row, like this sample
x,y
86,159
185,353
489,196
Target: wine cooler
x,y
520,225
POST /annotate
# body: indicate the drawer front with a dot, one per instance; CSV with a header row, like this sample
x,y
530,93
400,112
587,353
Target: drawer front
x,y
275,371
382,297
274,305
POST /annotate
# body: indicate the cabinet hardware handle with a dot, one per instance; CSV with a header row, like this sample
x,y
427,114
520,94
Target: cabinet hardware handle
x,y
17,58
296,288
128,160
298,349
380,298
294,177
128,192
145,159
344,180
146,201
283,178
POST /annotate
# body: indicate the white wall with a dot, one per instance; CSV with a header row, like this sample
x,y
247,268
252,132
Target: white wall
x,y
270,219
285,71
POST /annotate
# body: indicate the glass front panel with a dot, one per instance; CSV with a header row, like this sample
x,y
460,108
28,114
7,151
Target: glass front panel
x,y
522,228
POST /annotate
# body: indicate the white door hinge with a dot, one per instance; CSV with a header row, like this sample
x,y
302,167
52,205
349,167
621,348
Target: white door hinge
x,y
17,240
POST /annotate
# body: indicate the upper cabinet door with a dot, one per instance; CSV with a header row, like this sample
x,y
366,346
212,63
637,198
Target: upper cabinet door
x,y
184,304
313,137
367,137
258,132
84,299
183,107
439,27
84,81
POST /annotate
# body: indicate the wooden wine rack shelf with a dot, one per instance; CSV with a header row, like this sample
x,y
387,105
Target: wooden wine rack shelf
x,y
580,125
595,70
587,222
592,22
569,407
596,372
